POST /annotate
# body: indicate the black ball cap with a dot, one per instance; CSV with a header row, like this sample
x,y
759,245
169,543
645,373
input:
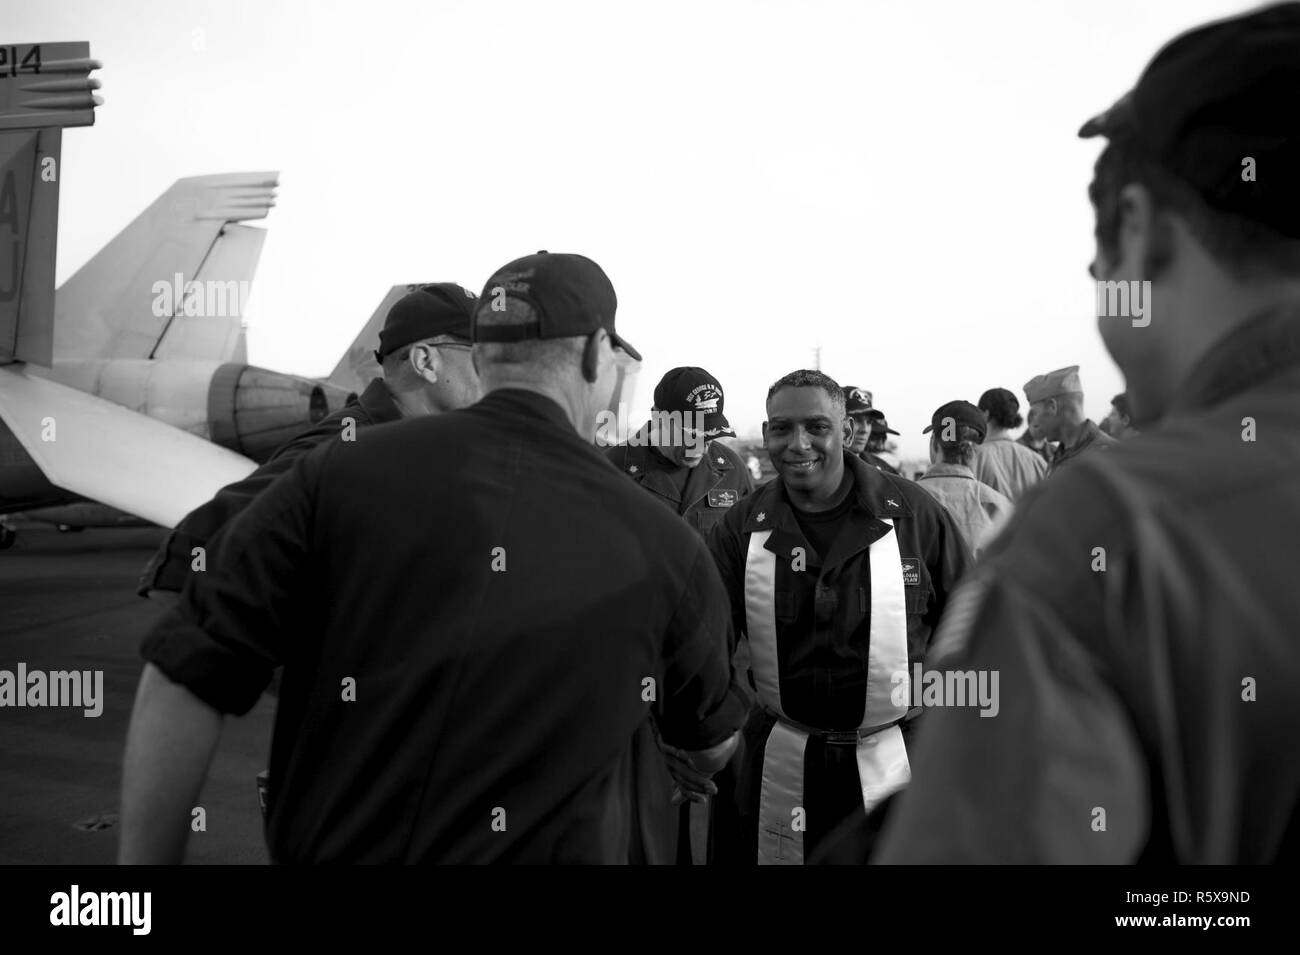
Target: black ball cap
x,y
878,423
856,400
1216,96
693,391
962,413
570,293
427,311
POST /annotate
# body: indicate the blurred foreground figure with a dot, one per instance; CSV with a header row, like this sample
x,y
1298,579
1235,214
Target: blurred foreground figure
x,y
1141,609
468,656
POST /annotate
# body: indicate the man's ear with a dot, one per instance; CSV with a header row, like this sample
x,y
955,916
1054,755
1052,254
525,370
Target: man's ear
x,y
1144,234
849,426
591,355
764,432
426,362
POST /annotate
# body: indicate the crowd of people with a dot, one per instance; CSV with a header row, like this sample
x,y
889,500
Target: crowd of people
x,y
502,643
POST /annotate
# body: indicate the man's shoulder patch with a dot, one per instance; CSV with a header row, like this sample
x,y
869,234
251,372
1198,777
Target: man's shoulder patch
x,y
723,497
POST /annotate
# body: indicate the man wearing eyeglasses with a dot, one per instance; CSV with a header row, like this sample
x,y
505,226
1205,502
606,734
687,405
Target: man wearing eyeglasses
x,y
424,351
838,574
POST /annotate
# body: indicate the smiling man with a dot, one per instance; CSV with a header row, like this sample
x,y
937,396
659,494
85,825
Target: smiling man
x,y
838,574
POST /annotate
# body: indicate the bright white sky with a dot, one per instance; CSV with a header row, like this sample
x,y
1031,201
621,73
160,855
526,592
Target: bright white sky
x,y
898,183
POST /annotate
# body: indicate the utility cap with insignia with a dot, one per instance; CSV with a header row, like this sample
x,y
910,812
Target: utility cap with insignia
x,y
878,423
1063,381
1214,96
963,414
856,400
441,308
693,390
571,295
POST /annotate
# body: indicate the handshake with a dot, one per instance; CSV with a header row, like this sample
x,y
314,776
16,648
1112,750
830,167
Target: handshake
x,y
692,770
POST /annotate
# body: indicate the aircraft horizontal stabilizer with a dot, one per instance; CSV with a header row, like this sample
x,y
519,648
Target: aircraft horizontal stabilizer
x,y
111,454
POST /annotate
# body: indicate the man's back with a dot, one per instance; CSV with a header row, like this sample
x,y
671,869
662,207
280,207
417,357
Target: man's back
x,y
485,579
1008,466
1142,613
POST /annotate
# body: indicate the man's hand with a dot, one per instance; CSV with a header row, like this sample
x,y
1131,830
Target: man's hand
x,y
692,770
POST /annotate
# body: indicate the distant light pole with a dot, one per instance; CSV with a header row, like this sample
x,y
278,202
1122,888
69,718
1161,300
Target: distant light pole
x,y
817,357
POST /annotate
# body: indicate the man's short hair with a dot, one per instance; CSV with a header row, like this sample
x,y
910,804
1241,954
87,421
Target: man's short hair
x,y
1244,248
807,378
542,354
1002,407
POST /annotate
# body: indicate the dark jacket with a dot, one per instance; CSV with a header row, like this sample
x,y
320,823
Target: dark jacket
x,y
825,679
508,610
1141,609
880,464
1090,437
172,564
713,487
823,642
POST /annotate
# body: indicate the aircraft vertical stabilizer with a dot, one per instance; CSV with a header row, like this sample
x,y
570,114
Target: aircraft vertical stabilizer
x,y
358,366
180,264
43,88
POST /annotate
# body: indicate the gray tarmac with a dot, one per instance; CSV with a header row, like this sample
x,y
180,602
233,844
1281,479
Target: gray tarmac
x,y
67,601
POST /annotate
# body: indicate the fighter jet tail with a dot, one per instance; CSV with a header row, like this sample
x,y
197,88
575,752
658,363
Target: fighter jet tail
x,y
174,283
44,87
358,366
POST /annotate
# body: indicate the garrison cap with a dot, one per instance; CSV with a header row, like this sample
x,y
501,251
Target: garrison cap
x,y
1063,381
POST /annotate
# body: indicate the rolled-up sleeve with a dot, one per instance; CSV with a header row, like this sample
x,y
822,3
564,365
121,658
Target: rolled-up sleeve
x,y
229,629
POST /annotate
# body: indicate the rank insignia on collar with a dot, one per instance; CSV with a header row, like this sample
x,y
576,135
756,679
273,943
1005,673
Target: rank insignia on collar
x,y
631,469
760,516
891,502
